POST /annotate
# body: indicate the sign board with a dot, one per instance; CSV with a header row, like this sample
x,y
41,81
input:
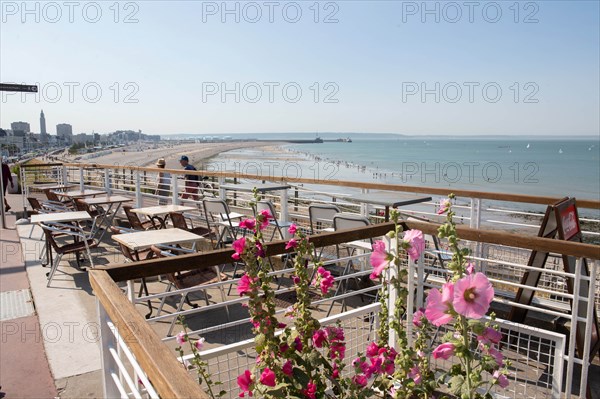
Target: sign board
x,y
16,87
561,221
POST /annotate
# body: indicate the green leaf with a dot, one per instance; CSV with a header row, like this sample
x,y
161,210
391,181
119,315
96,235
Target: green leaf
x,y
456,383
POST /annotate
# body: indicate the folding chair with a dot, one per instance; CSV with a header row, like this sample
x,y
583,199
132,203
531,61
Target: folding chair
x,y
83,242
320,215
265,205
220,219
188,279
344,221
52,197
180,222
44,207
135,222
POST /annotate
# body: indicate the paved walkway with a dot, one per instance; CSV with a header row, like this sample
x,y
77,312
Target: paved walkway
x,y
49,334
24,369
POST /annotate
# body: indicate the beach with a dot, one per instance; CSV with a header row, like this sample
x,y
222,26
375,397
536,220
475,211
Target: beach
x,y
146,156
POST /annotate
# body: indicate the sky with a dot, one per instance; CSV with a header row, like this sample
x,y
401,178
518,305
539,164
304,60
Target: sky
x,y
417,68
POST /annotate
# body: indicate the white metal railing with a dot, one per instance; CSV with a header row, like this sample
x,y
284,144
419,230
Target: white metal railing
x,y
122,376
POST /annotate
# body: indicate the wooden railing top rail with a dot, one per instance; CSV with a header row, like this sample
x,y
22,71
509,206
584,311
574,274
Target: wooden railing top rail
x,y
37,165
531,199
167,375
154,267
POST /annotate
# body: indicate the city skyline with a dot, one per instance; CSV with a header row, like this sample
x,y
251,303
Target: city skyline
x,y
349,67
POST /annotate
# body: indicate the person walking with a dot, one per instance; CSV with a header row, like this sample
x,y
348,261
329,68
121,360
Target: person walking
x,y
6,177
191,181
164,183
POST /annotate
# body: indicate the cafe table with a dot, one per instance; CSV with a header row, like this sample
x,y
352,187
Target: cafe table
x,y
113,202
387,199
161,211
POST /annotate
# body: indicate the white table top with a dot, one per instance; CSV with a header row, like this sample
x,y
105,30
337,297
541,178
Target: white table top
x,y
249,187
60,217
106,199
163,209
80,194
145,239
53,186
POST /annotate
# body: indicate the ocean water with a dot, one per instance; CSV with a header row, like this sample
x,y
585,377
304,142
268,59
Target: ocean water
x,y
535,167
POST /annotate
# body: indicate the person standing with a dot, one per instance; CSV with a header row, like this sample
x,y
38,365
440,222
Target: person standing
x,y
6,177
191,181
164,183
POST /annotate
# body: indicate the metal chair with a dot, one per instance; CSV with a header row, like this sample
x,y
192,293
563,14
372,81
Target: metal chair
x,y
220,219
82,242
180,221
135,222
188,279
320,215
265,205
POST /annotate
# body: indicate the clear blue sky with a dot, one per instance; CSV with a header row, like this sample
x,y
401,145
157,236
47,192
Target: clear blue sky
x,y
374,57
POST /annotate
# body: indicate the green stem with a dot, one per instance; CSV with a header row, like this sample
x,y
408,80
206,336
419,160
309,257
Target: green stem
x,y
465,334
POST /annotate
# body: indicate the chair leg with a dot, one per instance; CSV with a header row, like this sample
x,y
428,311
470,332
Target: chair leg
x,y
53,268
163,299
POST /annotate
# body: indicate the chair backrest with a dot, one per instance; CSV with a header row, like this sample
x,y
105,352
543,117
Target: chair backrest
x,y
80,205
266,205
178,220
133,218
344,221
319,214
51,195
35,203
130,255
216,210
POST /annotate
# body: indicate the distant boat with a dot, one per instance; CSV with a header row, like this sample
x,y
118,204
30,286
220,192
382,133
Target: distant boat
x,y
527,145
560,151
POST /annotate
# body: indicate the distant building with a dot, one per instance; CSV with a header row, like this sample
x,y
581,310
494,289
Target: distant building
x,y
21,126
64,133
43,133
83,138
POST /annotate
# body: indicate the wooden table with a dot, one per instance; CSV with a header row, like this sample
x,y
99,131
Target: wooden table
x,y
79,193
113,201
145,239
387,199
53,186
60,217
156,212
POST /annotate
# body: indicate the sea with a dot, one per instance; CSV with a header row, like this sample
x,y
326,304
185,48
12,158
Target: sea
x,y
531,166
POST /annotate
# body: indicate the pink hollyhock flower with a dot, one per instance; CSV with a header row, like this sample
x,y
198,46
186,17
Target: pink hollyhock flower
x,y
292,229
244,381
291,244
418,317
490,336
260,250
337,350
415,374
267,377
181,338
336,373
238,246
319,337
497,355
264,219
244,284
502,380
470,268
295,279
416,241
249,224
444,206
437,310
311,390
360,380
444,351
334,333
473,295
372,349
199,343
380,259
298,344
287,368
324,280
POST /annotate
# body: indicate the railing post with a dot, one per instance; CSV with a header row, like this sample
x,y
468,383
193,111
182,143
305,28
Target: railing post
x,y
235,193
589,323
574,323
284,215
81,179
65,177
175,188
364,208
222,192
296,199
107,341
107,181
138,190
392,246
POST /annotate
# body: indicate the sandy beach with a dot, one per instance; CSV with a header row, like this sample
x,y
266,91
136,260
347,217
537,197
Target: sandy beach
x,y
197,153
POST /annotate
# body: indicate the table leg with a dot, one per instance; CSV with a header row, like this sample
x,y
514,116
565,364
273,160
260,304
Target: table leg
x,y
110,218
